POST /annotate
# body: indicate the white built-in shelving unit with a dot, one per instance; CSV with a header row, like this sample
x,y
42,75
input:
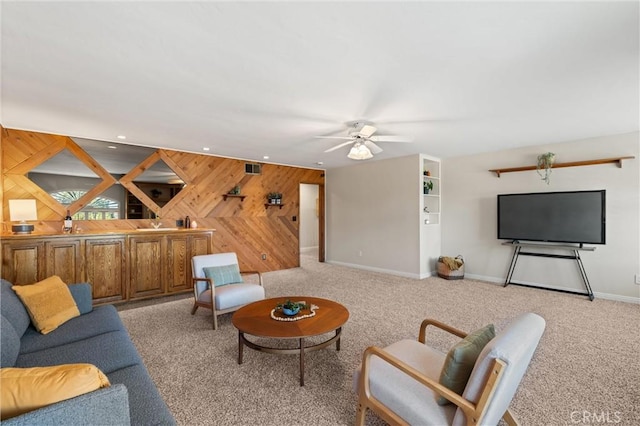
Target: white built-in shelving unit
x,y
431,197
431,214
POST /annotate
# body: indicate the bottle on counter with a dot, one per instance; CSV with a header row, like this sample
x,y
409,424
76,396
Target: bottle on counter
x,y
68,222
187,222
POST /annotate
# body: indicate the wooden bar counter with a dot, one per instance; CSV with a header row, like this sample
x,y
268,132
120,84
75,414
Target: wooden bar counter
x,y
119,265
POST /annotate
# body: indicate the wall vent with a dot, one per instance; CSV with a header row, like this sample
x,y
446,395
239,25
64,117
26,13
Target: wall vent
x,y
252,168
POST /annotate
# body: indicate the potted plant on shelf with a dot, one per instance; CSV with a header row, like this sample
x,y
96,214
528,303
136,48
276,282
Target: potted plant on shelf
x,y
291,308
545,162
235,190
274,198
428,186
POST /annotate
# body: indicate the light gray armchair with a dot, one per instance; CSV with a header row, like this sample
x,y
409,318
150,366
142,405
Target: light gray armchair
x,y
400,383
218,284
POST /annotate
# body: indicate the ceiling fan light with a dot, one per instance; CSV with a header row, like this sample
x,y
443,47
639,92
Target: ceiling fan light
x,y
360,152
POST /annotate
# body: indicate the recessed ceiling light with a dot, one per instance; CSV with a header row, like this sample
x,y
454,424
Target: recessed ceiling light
x,y
122,137
206,148
112,147
320,163
266,157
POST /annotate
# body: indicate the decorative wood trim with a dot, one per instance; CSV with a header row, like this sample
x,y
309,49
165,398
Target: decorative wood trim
x,y
107,179
19,171
40,157
616,160
321,223
177,199
36,192
127,182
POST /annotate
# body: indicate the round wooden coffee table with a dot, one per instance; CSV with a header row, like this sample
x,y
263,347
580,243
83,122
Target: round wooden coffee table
x,y
255,319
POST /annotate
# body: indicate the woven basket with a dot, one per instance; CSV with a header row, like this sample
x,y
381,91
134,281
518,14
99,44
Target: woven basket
x,y
448,274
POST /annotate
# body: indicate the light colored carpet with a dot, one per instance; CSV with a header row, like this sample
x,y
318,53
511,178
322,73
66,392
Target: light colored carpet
x,y
586,367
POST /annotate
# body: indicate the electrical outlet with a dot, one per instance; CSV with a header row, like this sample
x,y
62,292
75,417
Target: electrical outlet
x,y
264,256
638,279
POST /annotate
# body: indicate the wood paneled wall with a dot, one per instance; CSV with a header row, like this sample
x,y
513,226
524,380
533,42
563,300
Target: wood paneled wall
x,y
246,226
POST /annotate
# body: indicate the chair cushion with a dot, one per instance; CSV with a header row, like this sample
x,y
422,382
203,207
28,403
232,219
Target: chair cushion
x,y
461,358
96,350
218,259
27,389
13,309
222,275
9,343
514,345
103,319
234,295
412,401
147,405
49,303
82,296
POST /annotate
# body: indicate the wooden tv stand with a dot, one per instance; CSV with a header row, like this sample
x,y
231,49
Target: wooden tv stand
x,y
575,255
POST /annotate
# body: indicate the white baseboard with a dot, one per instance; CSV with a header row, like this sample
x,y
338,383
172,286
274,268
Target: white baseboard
x,y
308,249
597,294
492,280
373,269
617,298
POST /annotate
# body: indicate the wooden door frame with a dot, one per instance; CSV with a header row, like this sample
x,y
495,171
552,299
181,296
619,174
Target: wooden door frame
x,y
321,220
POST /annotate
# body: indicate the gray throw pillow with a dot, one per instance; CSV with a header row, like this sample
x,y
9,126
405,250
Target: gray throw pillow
x,y
461,359
222,275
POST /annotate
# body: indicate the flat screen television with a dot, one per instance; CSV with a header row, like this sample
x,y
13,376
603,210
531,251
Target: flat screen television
x,y
559,217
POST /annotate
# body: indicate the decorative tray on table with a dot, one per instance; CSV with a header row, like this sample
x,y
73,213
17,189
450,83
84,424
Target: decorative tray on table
x,y
293,311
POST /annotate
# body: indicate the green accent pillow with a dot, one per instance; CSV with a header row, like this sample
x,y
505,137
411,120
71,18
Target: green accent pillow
x,y
223,275
461,359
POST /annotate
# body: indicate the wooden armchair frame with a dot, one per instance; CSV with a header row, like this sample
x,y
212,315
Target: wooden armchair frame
x,y
473,412
212,304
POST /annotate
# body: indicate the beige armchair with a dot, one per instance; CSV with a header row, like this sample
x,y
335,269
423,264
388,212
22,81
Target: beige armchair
x,y
400,383
218,284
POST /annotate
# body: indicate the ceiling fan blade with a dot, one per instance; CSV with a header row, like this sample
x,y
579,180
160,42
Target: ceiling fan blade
x,y
367,131
375,149
339,146
390,138
335,137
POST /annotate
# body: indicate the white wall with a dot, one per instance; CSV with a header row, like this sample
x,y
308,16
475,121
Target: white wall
x,y
469,218
308,217
373,215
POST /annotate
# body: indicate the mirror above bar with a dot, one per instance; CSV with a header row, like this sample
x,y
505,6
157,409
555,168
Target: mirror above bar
x,y
67,179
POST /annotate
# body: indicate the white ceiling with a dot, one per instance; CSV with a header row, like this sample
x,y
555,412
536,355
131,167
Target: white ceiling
x,y
248,79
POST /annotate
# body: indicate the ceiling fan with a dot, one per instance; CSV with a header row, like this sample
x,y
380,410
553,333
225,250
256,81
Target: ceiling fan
x,y
364,146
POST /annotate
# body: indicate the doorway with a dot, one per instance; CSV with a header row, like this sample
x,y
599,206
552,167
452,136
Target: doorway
x,y
311,231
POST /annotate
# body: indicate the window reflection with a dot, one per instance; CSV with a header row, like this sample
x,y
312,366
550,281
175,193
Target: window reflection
x,y
100,208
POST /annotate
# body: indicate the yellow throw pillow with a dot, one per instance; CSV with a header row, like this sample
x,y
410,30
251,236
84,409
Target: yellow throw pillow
x,y
49,303
27,389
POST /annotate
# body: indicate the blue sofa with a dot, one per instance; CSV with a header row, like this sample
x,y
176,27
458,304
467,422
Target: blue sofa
x,y
97,337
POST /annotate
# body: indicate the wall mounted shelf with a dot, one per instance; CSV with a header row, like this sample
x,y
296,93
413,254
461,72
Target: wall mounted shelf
x,y
273,205
616,160
225,196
